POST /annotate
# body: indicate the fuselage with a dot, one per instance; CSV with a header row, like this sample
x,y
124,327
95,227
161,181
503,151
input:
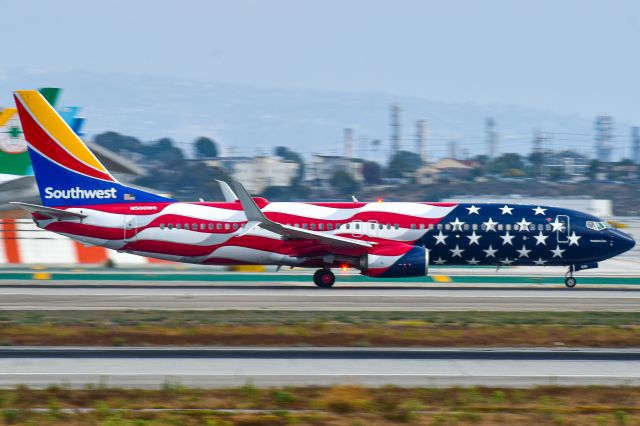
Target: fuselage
x,y
451,234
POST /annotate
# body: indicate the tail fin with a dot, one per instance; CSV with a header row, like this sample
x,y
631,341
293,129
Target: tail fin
x,y
67,172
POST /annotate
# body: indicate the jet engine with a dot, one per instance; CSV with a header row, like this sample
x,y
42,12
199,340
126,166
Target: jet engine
x,y
395,261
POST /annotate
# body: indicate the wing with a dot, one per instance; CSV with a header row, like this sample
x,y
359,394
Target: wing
x,y
255,217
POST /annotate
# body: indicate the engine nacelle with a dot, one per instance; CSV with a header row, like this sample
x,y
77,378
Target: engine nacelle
x,y
400,260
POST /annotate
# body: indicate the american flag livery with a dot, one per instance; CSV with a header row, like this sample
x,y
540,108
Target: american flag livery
x,y
383,239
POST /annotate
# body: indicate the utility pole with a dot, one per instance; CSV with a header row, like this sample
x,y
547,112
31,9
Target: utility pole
x,y
395,129
421,140
604,136
491,138
348,143
635,144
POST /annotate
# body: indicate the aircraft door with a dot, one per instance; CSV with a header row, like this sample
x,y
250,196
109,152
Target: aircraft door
x,y
372,228
564,232
130,228
357,228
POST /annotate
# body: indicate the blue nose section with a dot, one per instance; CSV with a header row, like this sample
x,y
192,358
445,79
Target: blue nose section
x,y
622,241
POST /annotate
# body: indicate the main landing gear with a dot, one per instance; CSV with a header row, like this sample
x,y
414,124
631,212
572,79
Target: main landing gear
x,y
569,280
324,278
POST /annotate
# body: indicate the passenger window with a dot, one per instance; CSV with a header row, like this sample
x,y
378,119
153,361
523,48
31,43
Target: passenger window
x,y
194,226
178,226
547,227
235,226
170,226
304,226
162,226
347,226
203,226
413,226
297,225
329,226
422,226
475,227
507,227
500,227
218,226
532,227
226,226
211,227
439,226
447,227
431,227
380,226
313,226
396,226
321,226
541,227
465,226
388,226
356,225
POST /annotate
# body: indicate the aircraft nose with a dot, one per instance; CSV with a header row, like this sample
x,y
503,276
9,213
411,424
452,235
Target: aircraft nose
x,y
622,241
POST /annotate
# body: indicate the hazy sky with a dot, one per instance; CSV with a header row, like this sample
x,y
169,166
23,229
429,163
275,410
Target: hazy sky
x,y
564,55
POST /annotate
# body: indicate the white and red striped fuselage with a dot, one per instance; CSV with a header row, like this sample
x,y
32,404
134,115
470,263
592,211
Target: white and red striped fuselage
x,y
216,233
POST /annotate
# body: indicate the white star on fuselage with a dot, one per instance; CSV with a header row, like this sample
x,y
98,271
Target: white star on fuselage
x,y
506,238
541,238
439,261
524,252
490,252
457,224
440,238
491,225
557,226
456,252
473,261
558,251
473,210
539,262
474,238
506,261
506,209
573,239
539,210
524,225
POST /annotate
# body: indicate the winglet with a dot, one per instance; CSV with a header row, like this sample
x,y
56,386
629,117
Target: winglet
x,y
251,209
227,192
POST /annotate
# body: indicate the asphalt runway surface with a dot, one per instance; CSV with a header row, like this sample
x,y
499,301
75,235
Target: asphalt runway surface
x,y
238,296
208,367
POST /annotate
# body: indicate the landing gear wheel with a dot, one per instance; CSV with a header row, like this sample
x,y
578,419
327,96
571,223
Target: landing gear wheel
x,y
324,278
570,282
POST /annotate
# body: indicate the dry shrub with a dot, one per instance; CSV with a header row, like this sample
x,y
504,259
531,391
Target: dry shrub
x,y
345,399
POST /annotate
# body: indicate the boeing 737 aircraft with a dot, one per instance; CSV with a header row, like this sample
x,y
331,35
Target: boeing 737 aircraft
x,y
83,201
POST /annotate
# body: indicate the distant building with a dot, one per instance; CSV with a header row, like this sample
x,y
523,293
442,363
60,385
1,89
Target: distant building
x,y
321,167
567,163
258,173
446,168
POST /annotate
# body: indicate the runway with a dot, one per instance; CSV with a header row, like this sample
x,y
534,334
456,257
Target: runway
x,y
239,296
206,367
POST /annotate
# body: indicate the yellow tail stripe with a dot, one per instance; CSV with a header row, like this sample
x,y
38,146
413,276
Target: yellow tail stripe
x,y
6,114
57,128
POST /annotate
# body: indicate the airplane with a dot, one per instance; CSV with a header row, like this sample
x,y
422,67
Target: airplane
x,y
83,201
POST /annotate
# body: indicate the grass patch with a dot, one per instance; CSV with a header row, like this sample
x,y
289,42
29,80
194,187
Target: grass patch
x,y
286,328
338,406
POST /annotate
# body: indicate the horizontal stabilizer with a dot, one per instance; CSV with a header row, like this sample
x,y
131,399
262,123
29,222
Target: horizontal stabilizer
x,y
49,211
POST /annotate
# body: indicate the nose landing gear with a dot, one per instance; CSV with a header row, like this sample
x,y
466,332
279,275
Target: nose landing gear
x,y
324,278
569,280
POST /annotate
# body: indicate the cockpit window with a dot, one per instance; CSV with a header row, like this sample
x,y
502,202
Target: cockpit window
x,y
598,226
